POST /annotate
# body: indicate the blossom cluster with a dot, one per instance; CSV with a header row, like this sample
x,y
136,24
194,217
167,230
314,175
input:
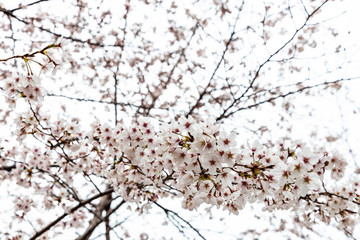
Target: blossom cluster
x,y
201,163
23,205
196,161
27,87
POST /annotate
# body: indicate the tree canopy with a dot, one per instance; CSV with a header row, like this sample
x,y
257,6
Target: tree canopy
x,y
111,108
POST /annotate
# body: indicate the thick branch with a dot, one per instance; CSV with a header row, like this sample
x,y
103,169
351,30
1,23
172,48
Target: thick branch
x,y
81,204
104,204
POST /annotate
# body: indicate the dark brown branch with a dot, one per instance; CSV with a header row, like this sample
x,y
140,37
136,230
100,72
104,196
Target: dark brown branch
x,y
103,205
341,211
28,5
97,221
81,204
329,194
7,168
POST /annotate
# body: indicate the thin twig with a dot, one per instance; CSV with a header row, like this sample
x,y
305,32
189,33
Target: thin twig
x,y
167,211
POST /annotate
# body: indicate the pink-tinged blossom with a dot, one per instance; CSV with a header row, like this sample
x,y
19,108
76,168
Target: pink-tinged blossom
x,y
210,163
226,141
187,124
306,182
306,157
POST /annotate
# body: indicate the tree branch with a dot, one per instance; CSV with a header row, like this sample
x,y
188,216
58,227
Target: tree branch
x,y
196,105
7,168
257,73
284,95
89,42
81,204
167,211
97,221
